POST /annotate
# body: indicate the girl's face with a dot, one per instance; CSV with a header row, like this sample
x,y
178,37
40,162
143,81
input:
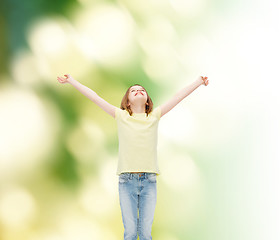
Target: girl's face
x,y
137,95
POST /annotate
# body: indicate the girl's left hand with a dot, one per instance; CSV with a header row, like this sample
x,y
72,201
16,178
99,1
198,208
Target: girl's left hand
x,y
205,80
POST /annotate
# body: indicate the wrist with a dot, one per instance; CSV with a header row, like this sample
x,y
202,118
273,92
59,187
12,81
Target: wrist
x,y
199,81
71,80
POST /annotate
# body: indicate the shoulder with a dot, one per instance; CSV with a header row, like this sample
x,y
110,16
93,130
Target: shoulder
x,y
157,112
119,112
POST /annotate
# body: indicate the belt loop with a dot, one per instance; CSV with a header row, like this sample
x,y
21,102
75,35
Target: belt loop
x,y
145,175
130,176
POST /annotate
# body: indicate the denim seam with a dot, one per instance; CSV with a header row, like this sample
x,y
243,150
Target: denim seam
x,y
140,221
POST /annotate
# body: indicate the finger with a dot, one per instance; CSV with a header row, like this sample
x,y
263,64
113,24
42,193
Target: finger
x,y
61,79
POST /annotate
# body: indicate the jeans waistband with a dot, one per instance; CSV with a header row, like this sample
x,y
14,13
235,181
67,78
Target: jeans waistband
x,y
138,174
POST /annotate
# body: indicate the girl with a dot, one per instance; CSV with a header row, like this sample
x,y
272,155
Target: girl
x,y
137,123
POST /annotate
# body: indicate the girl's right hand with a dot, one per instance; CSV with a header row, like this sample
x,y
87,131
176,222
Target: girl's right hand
x,y
67,79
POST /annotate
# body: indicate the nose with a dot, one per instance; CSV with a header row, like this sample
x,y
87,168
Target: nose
x,y
139,91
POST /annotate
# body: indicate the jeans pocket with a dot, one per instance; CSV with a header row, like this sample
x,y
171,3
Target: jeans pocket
x,y
123,178
152,178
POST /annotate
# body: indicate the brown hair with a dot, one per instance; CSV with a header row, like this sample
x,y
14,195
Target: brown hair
x,y
124,103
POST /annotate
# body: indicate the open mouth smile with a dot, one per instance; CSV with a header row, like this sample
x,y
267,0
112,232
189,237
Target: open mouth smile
x,y
137,93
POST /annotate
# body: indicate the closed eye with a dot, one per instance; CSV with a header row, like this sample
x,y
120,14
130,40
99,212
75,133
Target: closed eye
x,y
140,90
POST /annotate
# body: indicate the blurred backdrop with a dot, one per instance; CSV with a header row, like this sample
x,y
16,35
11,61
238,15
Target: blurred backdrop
x,y
218,148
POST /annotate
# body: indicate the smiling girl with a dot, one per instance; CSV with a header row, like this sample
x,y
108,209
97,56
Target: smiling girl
x,y
138,169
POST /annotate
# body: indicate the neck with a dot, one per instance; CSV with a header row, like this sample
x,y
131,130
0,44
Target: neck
x,y
138,109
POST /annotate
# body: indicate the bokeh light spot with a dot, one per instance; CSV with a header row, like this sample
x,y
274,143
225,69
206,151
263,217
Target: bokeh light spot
x,y
29,135
17,207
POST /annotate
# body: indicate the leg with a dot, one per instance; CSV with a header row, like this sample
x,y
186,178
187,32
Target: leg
x,y
129,207
147,205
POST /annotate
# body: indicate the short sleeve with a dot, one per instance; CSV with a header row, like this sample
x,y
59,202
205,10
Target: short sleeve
x,y
117,113
157,112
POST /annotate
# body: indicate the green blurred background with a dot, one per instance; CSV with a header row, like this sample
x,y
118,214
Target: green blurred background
x,y
218,148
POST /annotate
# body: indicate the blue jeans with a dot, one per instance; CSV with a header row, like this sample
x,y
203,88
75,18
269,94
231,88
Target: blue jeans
x,y
137,192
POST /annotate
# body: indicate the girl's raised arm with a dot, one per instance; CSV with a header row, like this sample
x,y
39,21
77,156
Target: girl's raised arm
x,y
166,107
107,107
